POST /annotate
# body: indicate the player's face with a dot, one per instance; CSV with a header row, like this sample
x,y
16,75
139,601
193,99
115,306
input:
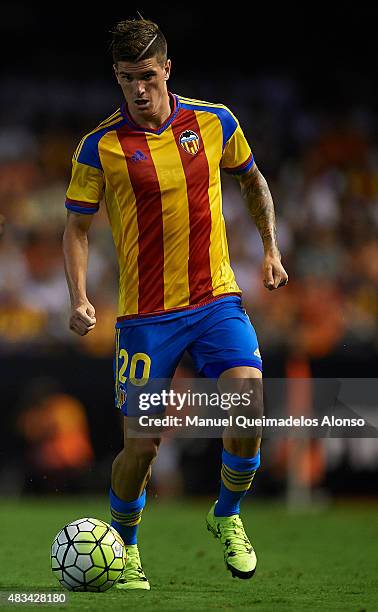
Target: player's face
x,y
144,85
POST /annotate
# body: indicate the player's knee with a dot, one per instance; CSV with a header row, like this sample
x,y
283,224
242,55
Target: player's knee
x,y
148,451
247,395
145,450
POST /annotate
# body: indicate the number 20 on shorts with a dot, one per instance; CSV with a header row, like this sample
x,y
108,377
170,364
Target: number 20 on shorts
x,y
137,357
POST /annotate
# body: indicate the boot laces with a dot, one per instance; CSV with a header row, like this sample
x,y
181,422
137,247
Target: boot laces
x,y
233,536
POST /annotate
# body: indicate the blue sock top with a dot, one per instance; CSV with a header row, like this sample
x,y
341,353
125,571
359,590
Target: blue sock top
x,y
127,507
240,464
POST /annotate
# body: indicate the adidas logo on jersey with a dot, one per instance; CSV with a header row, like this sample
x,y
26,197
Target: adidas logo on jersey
x,y
138,156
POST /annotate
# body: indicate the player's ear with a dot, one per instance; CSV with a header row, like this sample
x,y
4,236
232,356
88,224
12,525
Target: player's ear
x,y
167,69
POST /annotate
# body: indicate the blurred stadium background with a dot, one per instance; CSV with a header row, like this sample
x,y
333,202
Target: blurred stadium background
x,y
301,86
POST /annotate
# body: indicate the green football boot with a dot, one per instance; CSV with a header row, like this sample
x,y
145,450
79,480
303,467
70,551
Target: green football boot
x,y
133,576
239,555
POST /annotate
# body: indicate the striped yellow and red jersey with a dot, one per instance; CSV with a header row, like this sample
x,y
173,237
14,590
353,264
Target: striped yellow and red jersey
x,y
162,190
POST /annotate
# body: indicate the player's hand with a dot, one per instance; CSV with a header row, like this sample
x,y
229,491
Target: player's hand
x,y
275,274
82,319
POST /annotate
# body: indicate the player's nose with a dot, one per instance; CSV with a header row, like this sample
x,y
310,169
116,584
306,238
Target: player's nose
x,y
140,88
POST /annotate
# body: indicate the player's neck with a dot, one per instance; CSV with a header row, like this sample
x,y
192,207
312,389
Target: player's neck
x,y
158,118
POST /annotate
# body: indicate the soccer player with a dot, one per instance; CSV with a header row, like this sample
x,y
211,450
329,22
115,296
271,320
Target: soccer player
x,y
157,160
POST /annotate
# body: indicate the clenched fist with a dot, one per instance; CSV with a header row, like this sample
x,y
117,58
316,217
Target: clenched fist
x,y
82,319
275,274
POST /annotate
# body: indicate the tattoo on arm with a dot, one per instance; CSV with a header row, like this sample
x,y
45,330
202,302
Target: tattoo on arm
x,y
257,196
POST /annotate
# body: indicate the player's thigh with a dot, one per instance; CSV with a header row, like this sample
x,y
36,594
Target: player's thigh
x,y
241,373
227,341
144,355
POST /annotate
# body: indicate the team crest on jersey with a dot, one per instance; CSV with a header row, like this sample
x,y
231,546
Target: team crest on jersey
x,y
122,397
190,141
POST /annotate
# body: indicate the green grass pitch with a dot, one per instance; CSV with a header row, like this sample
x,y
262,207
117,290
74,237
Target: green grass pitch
x,y
323,560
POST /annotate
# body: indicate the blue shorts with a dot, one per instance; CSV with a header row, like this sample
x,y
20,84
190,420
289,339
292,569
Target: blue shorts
x,y
218,336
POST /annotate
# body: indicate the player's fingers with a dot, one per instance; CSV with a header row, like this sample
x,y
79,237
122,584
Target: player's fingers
x,y
284,281
79,326
85,318
81,317
81,331
268,277
88,329
78,329
280,276
90,311
277,279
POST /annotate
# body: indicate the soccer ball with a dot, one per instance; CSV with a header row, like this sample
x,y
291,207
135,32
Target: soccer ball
x,y
88,555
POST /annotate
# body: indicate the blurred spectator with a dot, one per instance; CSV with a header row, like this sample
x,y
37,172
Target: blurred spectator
x,y
57,447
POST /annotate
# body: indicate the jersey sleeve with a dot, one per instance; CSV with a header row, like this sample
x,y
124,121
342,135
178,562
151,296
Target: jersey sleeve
x,y
87,180
237,156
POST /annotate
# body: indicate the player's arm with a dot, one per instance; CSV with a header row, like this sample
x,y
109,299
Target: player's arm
x,y
75,251
83,197
256,193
